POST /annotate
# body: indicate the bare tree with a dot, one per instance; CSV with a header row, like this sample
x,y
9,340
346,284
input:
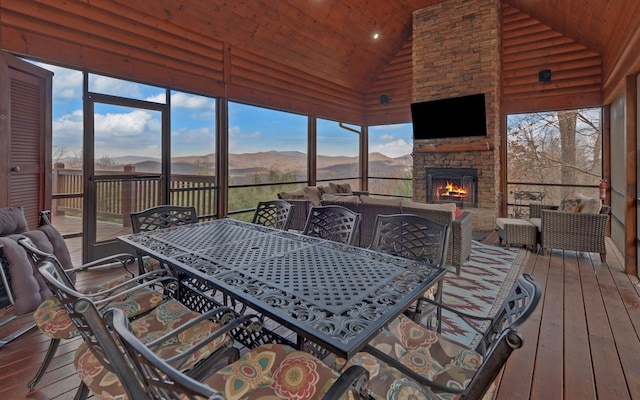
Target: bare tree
x,y
562,147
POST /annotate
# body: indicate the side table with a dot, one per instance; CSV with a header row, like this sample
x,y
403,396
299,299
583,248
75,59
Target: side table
x,y
516,231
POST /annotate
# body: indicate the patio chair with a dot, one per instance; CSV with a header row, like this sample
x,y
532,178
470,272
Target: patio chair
x,y
416,238
160,217
126,291
333,222
47,315
273,213
170,329
407,357
269,371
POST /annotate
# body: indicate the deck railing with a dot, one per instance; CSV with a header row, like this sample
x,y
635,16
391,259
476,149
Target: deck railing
x,y
117,198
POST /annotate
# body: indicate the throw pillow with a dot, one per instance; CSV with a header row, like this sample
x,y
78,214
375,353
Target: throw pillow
x,y
570,204
340,187
591,205
459,212
313,193
12,220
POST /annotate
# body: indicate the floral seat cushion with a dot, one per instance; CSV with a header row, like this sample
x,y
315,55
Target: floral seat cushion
x,y
166,317
430,355
52,319
273,371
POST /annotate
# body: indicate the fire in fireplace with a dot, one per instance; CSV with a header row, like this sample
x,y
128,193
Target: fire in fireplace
x,y
452,185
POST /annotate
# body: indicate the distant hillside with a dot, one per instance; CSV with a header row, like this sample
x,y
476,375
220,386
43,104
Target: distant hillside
x,y
245,166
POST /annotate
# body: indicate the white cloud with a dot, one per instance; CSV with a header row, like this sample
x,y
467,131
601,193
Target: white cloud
x,y
396,148
386,138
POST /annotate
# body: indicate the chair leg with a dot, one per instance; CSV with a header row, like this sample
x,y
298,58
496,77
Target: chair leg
x,y
82,393
53,346
6,340
603,257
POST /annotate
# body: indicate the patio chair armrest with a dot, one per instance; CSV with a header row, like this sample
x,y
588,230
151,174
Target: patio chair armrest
x,y
224,315
355,377
469,319
124,259
100,299
134,282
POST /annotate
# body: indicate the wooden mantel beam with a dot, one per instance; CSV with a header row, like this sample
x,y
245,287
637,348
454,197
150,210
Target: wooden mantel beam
x,y
452,147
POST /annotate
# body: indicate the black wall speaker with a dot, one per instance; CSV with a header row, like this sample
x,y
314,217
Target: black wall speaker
x,y
544,75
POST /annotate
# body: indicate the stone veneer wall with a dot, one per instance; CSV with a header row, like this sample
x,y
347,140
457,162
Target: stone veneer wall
x,y
456,52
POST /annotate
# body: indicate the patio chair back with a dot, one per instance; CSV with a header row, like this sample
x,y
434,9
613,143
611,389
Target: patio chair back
x,y
273,213
333,222
160,217
164,216
473,372
411,236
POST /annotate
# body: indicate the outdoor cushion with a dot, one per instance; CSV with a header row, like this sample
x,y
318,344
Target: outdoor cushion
x,y
451,207
340,199
273,371
53,320
340,187
570,204
423,351
12,220
591,205
166,317
27,286
391,201
294,195
313,193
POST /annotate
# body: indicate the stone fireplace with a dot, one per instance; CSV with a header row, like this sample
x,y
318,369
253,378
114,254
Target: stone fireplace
x,y
456,52
457,185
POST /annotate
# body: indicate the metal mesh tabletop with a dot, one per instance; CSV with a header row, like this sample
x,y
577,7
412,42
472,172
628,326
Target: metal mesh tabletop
x,y
337,285
337,295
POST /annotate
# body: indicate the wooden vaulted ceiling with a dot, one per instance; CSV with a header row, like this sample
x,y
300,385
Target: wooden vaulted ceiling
x,y
257,49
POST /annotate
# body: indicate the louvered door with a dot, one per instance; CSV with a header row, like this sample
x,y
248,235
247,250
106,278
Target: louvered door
x,y
25,137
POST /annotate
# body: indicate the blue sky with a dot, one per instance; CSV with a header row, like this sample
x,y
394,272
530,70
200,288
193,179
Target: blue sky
x,y
122,131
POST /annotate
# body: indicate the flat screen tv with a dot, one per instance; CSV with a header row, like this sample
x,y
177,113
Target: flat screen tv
x,y
452,117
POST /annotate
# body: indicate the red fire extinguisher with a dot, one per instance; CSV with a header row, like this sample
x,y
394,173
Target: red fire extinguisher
x,y
603,189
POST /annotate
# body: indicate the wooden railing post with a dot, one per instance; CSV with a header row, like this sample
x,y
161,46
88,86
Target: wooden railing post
x,y
128,196
58,187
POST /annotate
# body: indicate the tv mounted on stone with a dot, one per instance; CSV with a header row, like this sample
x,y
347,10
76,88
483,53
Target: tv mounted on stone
x,y
448,118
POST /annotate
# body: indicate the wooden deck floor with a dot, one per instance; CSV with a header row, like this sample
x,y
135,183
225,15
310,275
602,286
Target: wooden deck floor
x,y
582,342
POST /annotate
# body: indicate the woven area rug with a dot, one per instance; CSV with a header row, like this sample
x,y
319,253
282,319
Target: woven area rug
x,y
484,282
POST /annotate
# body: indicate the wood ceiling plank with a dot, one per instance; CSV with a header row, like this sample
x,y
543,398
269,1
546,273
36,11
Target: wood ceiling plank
x,y
123,28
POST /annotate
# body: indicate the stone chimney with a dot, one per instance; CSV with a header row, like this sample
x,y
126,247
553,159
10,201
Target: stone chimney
x,y
456,52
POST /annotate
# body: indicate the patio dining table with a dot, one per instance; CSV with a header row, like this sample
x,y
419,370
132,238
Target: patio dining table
x,y
336,296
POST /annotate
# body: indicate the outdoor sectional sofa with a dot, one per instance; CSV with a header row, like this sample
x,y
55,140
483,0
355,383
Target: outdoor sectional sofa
x,y
460,222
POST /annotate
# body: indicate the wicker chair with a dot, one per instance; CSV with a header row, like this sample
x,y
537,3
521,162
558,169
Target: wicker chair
x,y
160,217
268,371
409,358
172,330
273,213
334,222
575,231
